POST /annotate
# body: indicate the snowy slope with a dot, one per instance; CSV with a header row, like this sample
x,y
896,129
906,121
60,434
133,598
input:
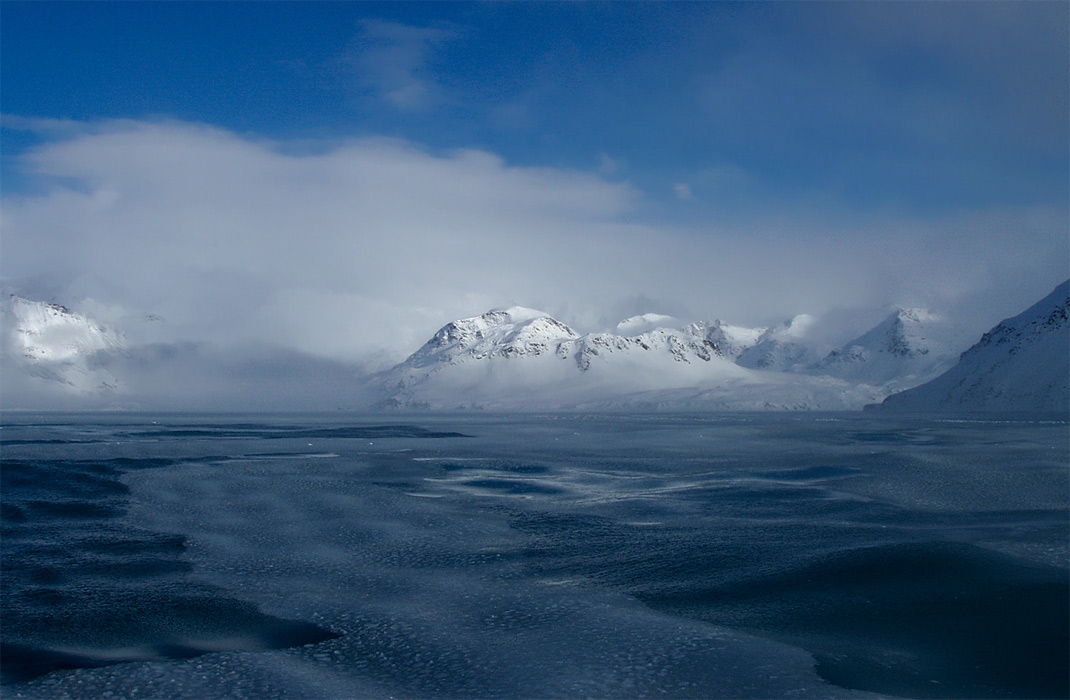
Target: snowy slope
x,y
58,345
519,358
903,350
512,332
1023,364
782,348
727,340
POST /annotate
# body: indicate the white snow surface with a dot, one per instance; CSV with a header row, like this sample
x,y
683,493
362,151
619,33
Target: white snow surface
x,y
728,340
516,331
1022,364
54,333
56,344
785,347
904,350
526,360
519,358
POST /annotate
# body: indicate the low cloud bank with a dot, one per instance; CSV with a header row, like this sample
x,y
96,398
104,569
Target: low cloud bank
x,y
352,253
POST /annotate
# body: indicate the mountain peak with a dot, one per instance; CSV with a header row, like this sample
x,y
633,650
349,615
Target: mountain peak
x,y
799,324
727,340
1022,364
512,314
518,356
62,346
900,350
782,347
506,332
915,315
52,332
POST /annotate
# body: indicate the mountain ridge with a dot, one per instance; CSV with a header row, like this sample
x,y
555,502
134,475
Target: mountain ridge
x,y
519,358
481,362
1021,364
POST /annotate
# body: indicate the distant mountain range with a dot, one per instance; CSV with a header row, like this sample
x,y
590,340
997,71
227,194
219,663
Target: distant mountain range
x,y
519,358
523,359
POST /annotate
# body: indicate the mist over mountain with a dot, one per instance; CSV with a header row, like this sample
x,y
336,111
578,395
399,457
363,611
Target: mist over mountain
x,y
318,188
908,347
534,350
54,357
518,358
522,359
1022,364
58,346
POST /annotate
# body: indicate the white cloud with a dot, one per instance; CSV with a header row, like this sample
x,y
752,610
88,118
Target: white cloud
x,y
607,165
330,253
683,190
368,244
392,60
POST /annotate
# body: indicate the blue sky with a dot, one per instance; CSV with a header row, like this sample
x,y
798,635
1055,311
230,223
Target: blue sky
x,y
823,154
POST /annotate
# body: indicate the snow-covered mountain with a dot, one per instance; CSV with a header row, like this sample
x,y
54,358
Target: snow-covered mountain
x,y
782,348
519,358
53,356
728,341
523,359
1023,364
513,332
519,355
646,322
907,348
55,344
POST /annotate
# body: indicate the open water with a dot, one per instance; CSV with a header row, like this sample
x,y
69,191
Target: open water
x,y
457,556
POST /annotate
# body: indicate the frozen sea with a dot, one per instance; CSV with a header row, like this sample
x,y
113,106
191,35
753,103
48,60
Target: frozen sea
x,y
559,556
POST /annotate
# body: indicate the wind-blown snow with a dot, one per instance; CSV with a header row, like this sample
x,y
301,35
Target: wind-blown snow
x,y
1022,364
